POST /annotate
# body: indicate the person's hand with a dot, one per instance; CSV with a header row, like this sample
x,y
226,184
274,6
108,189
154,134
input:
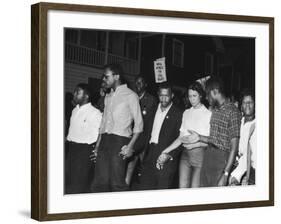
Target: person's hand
x,y
190,139
126,151
162,159
222,180
233,181
194,136
94,154
185,139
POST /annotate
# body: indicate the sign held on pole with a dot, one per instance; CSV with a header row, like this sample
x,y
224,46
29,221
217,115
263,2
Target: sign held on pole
x,y
160,70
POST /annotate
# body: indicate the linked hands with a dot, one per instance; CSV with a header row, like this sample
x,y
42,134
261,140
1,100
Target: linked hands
x,y
190,139
126,151
162,159
94,154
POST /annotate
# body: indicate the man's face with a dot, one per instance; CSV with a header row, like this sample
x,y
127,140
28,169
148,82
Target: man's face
x,y
140,85
109,78
165,97
78,96
212,97
248,106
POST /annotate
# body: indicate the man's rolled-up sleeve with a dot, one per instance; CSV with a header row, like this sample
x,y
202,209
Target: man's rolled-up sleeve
x,y
234,124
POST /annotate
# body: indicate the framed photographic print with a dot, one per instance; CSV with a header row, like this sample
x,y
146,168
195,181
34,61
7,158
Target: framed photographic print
x,y
138,111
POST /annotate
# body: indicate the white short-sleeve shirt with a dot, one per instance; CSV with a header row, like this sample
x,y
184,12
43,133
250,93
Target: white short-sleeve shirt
x,y
84,124
196,120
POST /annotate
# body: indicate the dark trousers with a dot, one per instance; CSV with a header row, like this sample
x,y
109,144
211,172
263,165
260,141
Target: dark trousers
x,y
252,177
213,166
151,178
110,170
78,168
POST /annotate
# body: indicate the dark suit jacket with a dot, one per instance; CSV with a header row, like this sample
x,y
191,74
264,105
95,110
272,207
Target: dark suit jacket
x,y
169,129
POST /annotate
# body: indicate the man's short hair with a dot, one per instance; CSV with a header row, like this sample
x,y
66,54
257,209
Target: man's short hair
x,y
141,77
165,85
116,70
85,88
215,83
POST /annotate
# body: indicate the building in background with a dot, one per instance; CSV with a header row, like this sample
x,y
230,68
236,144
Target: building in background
x,y
187,58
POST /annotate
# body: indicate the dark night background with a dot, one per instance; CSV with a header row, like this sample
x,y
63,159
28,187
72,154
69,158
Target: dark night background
x,y
188,58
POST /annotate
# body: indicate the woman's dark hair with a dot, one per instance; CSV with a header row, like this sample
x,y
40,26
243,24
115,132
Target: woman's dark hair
x,y
196,86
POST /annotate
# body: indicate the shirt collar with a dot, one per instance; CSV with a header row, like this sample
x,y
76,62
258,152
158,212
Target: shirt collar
x,y
166,110
121,87
249,122
142,95
117,90
83,106
225,103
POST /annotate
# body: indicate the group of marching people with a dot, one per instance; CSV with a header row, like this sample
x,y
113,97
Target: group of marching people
x,y
134,141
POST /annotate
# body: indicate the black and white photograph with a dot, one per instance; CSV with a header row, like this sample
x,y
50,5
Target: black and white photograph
x,y
158,111
138,111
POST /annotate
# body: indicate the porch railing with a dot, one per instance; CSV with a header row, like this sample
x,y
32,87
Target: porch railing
x,y
91,57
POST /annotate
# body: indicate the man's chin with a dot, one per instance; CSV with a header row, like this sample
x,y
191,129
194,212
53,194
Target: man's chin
x,y
164,105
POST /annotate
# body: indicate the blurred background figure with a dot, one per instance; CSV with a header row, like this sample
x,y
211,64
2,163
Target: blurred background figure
x,y
234,98
102,92
186,101
148,104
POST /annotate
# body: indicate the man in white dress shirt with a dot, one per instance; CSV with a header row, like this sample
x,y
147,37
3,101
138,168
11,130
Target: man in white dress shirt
x,y
83,133
164,130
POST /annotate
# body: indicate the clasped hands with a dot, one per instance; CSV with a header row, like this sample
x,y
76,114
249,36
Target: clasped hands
x,y
94,154
162,159
126,151
190,139
187,142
